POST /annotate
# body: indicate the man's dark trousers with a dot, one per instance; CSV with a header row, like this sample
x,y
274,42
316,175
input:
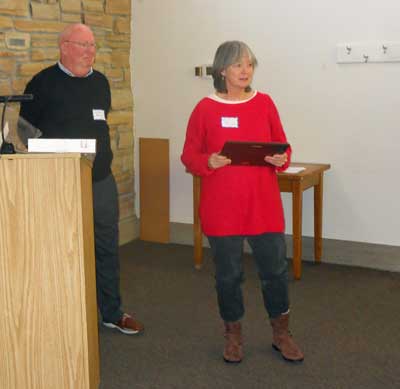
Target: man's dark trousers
x,y
106,217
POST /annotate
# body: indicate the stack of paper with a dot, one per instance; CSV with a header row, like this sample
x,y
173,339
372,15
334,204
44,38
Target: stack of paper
x,y
40,145
294,169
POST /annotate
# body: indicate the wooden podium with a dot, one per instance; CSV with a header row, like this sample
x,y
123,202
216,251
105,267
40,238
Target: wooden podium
x,y
48,321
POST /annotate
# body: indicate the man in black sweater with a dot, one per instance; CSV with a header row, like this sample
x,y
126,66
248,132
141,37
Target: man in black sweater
x,y
72,100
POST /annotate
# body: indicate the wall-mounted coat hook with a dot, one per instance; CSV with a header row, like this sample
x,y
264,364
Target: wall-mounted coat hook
x,y
368,52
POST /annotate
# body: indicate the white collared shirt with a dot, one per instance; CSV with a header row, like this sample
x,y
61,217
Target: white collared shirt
x,y
65,70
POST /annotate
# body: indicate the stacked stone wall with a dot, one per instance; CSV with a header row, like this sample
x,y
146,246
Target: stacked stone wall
x,y
28,43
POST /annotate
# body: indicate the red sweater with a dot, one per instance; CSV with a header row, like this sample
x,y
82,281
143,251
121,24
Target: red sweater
x,y
235,200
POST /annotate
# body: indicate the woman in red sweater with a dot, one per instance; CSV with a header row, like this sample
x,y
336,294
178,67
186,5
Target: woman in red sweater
x,y
241,202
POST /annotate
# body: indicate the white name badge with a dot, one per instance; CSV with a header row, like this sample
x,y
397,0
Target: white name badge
x,y
98,114
229,122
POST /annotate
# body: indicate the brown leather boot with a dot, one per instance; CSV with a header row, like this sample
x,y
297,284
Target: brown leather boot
x,y
233,351
282,339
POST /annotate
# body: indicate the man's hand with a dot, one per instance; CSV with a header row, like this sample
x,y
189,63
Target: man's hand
x,y
215,161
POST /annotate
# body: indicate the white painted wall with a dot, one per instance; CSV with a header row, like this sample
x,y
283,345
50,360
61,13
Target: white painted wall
x,y
346,115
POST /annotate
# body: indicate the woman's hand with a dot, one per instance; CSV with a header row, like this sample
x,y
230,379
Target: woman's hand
x,y
277,159
216,161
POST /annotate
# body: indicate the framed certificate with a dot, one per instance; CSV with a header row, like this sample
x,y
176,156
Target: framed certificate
x,y
251,153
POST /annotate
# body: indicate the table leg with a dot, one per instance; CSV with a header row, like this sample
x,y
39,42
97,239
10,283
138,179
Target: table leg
x,y
318,195
197,233
297,208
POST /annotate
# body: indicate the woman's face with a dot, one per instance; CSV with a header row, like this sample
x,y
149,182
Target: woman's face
x,y
239,75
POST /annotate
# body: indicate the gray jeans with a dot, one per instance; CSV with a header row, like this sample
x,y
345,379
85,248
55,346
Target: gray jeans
x,y
269,252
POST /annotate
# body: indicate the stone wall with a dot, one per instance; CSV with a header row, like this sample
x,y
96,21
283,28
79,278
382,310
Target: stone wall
x,y
28,43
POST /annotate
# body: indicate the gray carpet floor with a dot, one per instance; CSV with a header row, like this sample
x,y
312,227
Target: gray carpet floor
x,y
346,319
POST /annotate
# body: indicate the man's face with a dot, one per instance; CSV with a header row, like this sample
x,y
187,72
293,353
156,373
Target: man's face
x,y
78,52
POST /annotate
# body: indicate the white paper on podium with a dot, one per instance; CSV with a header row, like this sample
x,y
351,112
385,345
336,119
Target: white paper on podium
x,y
42,145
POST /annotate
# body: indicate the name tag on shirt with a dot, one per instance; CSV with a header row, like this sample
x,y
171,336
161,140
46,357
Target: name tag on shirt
x,y
229,122
98,114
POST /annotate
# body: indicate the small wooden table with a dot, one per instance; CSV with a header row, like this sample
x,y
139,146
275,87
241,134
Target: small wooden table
x,y
295,183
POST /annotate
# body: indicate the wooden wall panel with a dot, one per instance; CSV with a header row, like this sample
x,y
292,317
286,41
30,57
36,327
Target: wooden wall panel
x,y
154,189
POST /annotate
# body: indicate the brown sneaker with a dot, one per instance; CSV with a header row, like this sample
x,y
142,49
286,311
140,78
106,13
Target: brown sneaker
x,y
282,340
233,351
127,325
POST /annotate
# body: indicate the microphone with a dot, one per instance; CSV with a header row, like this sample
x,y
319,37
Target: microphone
x,y
16,98
6,147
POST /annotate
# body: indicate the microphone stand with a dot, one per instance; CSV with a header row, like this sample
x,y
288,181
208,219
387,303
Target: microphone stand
x,y
6,147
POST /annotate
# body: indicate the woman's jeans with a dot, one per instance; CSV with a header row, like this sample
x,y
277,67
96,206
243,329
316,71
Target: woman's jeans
x,y
269,252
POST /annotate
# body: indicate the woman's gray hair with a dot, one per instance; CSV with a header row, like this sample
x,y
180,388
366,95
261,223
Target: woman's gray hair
x,y
227,54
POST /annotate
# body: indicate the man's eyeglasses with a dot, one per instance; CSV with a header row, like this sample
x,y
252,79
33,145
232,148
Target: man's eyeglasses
x,y
84,45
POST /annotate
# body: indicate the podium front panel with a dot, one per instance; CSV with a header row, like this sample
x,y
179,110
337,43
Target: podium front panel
x,y
47,274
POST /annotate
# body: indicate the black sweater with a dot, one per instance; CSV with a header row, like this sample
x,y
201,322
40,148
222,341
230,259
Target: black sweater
x,y
62,107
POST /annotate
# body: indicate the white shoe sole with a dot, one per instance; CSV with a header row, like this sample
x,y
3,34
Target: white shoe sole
x,y
126,332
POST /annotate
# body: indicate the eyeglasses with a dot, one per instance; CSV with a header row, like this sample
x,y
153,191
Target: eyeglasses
x,y
85,45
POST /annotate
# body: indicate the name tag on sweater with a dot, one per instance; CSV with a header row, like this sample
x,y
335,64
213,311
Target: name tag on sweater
x,y
98,114
229,122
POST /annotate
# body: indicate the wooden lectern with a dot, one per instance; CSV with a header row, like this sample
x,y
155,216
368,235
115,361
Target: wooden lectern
x,y
48,321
